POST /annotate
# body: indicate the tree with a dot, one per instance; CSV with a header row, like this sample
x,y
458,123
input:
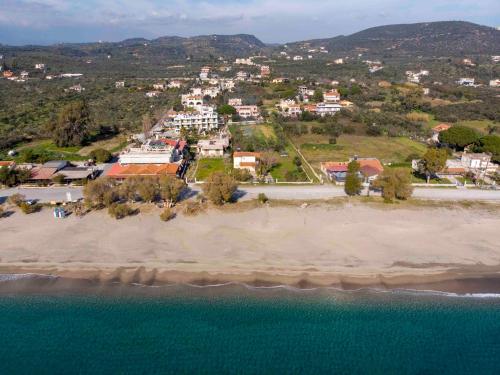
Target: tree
x,y
16,199
120,210
146,125
171,189
352,184
432,162
395,183
318,96
59,179
458,137
219,188
490,144
100,193
267,161
72,125
12,177
226,109
101,155
297,161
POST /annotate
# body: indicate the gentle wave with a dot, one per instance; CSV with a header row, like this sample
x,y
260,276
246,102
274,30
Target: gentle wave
x,y
401,291
23,276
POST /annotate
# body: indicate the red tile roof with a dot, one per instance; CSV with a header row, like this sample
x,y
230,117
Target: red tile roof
x,y
43,173
373,165
441,127
334,166
239,154
123,171
6,163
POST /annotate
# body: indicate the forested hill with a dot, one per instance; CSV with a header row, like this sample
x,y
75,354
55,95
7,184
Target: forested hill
x,y
447,38
170,47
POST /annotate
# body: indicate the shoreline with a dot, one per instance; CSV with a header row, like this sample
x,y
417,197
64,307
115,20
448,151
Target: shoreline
x,y
347,246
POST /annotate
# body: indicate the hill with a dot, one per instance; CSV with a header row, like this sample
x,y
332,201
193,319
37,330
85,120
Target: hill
x,y
447,38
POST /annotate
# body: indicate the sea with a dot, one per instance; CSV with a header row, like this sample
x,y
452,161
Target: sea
x,y
49,327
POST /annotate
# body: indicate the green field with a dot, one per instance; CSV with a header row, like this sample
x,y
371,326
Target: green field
x,y
208,166
480,125
389,150
51,151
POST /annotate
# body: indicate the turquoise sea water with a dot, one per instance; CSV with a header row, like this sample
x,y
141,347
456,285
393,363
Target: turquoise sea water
x,y
239,331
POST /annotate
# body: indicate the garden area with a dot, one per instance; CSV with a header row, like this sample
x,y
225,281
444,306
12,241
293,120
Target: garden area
x,y
316,148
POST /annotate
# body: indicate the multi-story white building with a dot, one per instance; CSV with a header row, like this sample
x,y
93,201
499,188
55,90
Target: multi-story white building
x,y
247,111
331,96
40,66
242,76
205,72
227,84
466,81
326,109
174,85
193,101
265,71
234,102
119,84
203,120
298,58
244,61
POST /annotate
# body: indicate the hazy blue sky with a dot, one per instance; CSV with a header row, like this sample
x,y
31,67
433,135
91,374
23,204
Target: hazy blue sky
x,y
51,21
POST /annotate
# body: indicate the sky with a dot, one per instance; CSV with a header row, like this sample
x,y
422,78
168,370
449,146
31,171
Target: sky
x,y
272,21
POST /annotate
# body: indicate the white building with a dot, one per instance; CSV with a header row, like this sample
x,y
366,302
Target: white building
x,y
235,102
246,160
247,111
77,88
212,147
152,152
203,120
331,96
227,84
119,84
152,94
211,91
174,85
327,109
466,81
338,61
40,66
192,101
159,86
244,61
204,73
298,58
242,76
495,83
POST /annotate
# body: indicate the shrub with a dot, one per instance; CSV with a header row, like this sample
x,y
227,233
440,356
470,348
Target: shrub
x,y
29,208
101,155
352,184
16,199
1,212
167,214
219,188
120,210
59,179
193,208
242,175
262,198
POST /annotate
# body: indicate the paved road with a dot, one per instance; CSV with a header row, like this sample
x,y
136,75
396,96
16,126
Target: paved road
x,y
44,194
308,192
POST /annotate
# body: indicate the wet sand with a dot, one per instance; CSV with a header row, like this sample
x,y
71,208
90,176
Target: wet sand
x,y
343,246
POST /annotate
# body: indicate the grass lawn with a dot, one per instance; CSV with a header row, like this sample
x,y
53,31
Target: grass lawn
x,y
417,179
285,164
48,147
114,144
316,148
480,125
208,166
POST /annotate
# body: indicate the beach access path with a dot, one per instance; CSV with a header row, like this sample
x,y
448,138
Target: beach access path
x,y
248,192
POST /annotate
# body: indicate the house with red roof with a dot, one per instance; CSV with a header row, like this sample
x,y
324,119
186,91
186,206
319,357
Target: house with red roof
x,y
246,160
369,169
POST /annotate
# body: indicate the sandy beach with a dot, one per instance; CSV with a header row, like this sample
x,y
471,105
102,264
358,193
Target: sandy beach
x,y
344,245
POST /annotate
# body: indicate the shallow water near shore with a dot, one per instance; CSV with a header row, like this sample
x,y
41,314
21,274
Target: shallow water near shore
x,y
245,330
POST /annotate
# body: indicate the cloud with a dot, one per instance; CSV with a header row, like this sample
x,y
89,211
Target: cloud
x,y
270,20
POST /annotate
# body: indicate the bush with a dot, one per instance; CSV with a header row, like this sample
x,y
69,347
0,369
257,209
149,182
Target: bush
x,y
101,155
16,199
59,179
219,188
242,175
1,212
167,214
352,184
120,210
193,208
262,198
29,208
